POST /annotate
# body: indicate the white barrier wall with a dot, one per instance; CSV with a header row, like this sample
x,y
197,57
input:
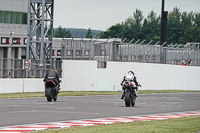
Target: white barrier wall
x,y
11,86
85,76
21,85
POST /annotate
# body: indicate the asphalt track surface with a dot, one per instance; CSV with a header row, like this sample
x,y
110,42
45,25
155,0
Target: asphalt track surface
x,y
38,110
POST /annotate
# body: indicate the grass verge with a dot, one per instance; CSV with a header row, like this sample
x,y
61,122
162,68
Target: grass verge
x,y
189,124
84,93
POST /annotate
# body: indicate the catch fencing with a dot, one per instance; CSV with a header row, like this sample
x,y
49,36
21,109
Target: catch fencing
x,y
103,50
17,68
140,51
172,54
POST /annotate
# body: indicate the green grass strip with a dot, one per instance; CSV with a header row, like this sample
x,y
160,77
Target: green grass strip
x,y
84,93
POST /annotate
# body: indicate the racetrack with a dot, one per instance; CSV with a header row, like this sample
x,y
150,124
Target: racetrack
x,y
38,110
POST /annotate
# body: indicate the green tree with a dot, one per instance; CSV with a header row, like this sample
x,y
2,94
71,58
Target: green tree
x,y
154,24
182,27
150,29
137,20
174,26
133,26
89,34
196,20
62,32
113,32
102,34
191,35
186,25
128,33
145,32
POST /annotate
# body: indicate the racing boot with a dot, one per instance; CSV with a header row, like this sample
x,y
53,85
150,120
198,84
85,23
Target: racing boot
x,y
136,93
122,97
45,91
58,88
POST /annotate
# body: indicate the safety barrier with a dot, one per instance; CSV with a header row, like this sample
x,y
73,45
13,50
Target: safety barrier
x,y
85,76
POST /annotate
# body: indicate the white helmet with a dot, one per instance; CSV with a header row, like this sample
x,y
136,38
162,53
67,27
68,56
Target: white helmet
x,y
130,75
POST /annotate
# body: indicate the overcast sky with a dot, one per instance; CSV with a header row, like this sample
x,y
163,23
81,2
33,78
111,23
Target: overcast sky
x,y
102,14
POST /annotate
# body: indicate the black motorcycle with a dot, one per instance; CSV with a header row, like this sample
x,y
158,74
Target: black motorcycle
x,y
130,93
51,90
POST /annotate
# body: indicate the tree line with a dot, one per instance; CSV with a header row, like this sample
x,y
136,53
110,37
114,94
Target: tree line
x,y
182,27
63,32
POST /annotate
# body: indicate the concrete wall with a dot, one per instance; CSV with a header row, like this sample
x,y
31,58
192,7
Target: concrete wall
x,y
85,76
21,85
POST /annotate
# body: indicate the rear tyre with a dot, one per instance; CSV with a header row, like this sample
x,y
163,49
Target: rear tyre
x,y
127,99
49,94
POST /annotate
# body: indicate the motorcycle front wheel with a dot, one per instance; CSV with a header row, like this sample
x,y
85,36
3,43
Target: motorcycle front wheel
x,y
49,94
127,99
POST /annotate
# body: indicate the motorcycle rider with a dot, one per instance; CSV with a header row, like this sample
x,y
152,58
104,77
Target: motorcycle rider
x,y
130,76
54,76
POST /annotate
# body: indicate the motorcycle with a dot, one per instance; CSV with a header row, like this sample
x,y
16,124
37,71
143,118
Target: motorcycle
x,y
130,93
51,90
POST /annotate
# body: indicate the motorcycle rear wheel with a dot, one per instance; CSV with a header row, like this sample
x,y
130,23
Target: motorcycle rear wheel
x,y
49,94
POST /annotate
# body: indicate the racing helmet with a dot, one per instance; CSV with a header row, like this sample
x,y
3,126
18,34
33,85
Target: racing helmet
x,y
130,76
53,69
131,73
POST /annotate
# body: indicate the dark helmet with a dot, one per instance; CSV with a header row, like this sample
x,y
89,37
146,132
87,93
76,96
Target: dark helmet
x,y
53,69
